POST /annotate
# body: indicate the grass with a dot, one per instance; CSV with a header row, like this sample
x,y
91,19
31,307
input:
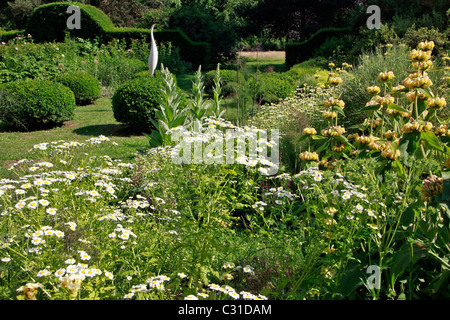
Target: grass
x,y
88,121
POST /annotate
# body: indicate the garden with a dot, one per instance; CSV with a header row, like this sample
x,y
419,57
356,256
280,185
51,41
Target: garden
x,y
100,200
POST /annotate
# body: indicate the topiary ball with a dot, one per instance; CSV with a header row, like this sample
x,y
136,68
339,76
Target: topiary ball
x,y
38,104
86,87
135,102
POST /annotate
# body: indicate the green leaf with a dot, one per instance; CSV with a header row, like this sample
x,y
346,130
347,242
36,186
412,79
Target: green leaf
x,y
398,167
303,138
396,107
370,108
407,217
404,258
430,138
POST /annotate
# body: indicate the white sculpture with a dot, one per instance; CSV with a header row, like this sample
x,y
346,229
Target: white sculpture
x,y
153,57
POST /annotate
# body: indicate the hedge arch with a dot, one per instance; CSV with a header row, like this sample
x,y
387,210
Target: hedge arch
x,y
49,23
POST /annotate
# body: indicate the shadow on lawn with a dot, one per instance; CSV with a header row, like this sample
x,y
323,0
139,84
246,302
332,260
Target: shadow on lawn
x,y
117,130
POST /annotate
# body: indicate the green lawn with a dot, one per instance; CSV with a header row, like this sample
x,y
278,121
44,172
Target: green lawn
x,y
88,121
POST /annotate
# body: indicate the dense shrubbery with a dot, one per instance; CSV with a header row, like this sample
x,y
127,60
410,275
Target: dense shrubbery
x,y
271,87
40,104
228,81
85,87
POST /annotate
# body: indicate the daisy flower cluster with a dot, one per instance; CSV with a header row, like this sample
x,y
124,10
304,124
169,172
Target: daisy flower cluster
x,y
214,145
156,282
351,198
226,290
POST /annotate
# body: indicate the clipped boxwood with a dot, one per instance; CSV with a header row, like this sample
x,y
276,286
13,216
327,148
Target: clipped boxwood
x,y
40,104
135,101
86,87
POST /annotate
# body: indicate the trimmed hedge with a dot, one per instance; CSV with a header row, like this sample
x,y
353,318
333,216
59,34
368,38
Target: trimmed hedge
x,y
39,104
5,36
48,23
85,86
297,52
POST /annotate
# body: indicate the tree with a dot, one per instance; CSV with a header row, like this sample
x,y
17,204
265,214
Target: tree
x,y
297,19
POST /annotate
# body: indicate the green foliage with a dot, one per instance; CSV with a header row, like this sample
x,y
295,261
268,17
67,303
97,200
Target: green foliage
x,y
271,87
171,112
96,25
413,36
297,52
228,81
85,87
201,24
304,73
135,102
42,104
365,73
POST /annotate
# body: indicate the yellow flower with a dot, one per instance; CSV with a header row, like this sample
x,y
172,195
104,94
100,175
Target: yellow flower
x,y
30,290
384,101
388,153
373,90
309,156
436,103
335,81
333,131
426,45
334,102
329,114
420,55
339,147
385,76
309,131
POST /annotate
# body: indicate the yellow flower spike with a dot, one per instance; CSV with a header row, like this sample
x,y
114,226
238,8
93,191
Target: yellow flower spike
x,y
309,131
335,81
426,45
436,103
385,76
309,156
329,114
373,90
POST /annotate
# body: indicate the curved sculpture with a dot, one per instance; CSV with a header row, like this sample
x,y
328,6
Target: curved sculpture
x,y
153,57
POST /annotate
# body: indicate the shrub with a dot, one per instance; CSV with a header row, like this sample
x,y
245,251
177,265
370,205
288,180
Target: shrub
x,y
135,102
40,104
85,87
304,72
271,87
228,81
368,67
